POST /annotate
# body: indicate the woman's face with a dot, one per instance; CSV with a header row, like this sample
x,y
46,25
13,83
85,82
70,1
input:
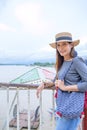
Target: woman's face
x,y
64,48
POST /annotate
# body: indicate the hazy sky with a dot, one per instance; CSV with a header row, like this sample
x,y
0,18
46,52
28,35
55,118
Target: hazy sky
x,y
28,26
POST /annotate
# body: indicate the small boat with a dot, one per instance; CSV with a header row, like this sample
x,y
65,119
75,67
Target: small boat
x,y
23,118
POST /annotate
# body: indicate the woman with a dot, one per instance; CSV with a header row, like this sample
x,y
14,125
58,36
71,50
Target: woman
x,y
72,82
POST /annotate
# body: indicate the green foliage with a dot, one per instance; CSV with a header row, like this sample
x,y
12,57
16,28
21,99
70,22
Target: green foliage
x,y
43,64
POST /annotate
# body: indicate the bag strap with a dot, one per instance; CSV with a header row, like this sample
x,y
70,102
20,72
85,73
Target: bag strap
x,y
66,70
64,74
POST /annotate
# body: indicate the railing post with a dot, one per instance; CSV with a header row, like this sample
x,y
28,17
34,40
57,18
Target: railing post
x,y
8,108
17,108
28,109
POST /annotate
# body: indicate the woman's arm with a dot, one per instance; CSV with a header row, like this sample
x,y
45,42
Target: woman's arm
x,y
42,86
81,68
48,84
69,88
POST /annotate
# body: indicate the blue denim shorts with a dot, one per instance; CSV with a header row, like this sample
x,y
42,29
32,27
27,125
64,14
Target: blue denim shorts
x,y
67,124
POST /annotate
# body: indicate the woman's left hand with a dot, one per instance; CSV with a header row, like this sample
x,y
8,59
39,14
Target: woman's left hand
x,y
61,85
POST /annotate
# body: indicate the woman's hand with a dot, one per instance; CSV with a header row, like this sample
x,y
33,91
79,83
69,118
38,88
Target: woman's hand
x,y
60,84
69,88
39,89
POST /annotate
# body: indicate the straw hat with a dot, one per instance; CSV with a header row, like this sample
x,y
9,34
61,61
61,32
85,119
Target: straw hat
x,y
62,37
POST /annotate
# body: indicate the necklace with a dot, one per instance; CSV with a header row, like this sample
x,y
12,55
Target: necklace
x,y
69,59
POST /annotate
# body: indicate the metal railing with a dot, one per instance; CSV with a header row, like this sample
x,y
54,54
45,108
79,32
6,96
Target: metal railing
x,y
18,87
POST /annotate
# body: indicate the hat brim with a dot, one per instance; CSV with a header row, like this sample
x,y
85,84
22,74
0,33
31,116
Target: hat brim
x,y
75,43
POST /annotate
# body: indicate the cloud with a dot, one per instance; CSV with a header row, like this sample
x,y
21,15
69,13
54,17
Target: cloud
x,y
82,47
4,27
83,40
47,48
43,53
30,15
